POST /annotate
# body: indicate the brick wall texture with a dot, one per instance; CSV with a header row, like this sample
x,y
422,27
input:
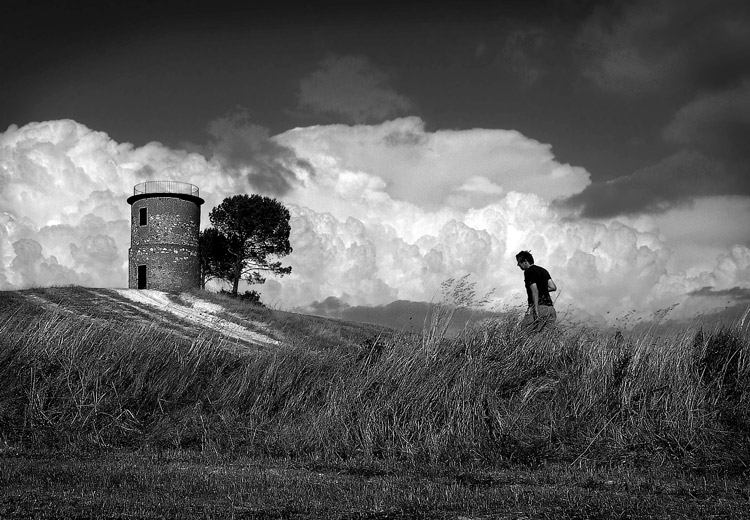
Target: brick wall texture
x,y
167,245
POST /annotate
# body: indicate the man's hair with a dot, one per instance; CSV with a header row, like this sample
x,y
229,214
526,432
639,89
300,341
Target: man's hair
x,y
525,255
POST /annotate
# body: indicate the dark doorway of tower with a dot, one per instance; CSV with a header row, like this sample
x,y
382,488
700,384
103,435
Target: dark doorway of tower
x,y
141,276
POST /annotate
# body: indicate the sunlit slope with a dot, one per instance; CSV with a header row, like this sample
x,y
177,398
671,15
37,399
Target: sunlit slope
x,y
187,316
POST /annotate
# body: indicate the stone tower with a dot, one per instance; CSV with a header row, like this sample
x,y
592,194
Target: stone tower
x,y
164,226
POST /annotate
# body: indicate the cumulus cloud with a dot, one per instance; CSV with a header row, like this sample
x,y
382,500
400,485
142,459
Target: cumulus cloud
x,y
726,220
64,218
647,46
63,187
725,283
600,267
698,232
353,88
406,246
34,269
56,178
732,270
432,169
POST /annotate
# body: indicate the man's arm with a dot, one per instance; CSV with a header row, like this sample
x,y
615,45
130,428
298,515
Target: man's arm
x,y
535,300
551,287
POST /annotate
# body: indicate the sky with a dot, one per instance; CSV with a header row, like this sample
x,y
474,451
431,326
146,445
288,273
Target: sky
x,y
413,143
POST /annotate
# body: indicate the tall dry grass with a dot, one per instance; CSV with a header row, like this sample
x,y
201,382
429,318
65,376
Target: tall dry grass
x,y
491,393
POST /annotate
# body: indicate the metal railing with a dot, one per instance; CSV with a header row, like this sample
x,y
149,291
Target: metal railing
x,y
166,187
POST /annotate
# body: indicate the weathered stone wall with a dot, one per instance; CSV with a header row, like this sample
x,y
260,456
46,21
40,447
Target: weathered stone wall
x,y
168,268
167,245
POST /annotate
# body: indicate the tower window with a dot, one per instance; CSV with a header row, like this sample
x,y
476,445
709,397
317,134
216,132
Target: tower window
x,y
143,214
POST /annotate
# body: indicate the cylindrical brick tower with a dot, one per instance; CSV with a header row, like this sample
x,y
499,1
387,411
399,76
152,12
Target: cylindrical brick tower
x,y
164,226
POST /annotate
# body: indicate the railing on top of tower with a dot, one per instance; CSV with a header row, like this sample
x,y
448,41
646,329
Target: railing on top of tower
x,y
166,187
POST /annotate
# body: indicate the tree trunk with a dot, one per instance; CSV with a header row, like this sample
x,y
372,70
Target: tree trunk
x,y
237,275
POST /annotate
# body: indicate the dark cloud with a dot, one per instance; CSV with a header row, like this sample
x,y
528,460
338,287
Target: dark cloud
x,y
713,130
520,49
329,307
400,314
406,138
696,52
717,123
246,150
403,315
736,294
673,181
352,87
651,46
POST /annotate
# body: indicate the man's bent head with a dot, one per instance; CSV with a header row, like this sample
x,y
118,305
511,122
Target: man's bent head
x,y
524,260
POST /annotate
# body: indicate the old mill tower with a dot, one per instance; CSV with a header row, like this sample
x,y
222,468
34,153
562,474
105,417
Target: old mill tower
x,y
164,227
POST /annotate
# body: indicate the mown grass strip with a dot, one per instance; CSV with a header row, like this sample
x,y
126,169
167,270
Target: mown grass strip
x,y
175,484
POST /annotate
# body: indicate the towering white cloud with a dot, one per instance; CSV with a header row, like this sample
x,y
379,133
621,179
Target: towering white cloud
x,y
379,213
463,168
64,218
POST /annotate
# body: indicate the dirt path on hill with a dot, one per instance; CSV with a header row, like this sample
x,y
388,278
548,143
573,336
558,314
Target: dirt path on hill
x,y
200,312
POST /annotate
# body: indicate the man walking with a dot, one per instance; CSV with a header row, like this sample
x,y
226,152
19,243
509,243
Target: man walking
x,y
541,314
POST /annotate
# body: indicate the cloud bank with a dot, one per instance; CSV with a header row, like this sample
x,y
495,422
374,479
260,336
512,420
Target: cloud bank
x,y
458,168
63,215
642,47
693,51
673,181
380,213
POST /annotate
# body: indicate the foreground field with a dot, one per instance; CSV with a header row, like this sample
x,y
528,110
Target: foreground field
x,y
178,485
141,415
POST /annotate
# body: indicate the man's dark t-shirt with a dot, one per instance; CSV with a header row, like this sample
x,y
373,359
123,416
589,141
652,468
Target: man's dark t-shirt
x,y
539,276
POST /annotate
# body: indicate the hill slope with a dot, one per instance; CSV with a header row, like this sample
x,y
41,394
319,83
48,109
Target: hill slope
x,y
199,370
189,315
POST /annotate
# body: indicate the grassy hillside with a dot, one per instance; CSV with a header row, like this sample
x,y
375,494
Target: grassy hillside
x,y
80,370
110,308
89,370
